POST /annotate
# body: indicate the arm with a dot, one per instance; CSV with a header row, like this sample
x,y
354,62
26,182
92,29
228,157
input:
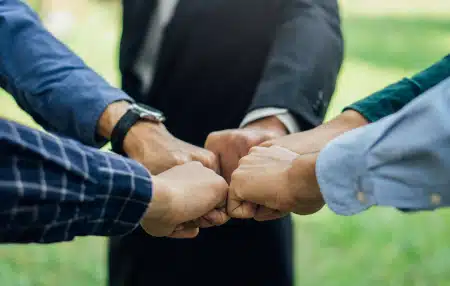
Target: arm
x,y
296,86
55,189
47,80
392,98
401,161
301,71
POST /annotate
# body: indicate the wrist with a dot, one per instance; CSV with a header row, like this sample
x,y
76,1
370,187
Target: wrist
x,y
159,206
342,123
350,119
302,176
271,123
110,117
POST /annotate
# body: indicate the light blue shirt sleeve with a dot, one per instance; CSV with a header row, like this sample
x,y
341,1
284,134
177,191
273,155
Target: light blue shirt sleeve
x,y
401,161
49,81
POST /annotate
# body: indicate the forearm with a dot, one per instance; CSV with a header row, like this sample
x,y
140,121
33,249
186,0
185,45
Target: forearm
x,y
48,80
394,97
401,161
302,68
56,189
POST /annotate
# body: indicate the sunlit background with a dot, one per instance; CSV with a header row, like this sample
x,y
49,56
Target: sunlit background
x,y
385,40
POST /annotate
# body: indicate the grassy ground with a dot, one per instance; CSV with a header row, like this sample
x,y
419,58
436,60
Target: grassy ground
x,y
384,41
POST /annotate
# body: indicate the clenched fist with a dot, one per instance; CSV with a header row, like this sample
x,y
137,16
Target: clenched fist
x,y
272,182
231,145
152,144
158,150
184,199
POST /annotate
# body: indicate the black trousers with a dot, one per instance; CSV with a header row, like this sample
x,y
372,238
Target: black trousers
x,y
247,253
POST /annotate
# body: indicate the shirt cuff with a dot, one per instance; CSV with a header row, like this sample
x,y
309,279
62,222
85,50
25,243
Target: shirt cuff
x,y
123,196
340,172
281,113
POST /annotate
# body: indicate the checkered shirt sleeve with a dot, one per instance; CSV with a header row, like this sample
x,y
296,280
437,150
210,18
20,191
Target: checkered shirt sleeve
x,y
54,189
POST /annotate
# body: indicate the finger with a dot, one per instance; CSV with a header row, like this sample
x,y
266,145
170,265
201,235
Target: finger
x,y
229,162
190,224
215,217
185,233
179,227
207,158
264,214
308,209
268,143
238,208
257,150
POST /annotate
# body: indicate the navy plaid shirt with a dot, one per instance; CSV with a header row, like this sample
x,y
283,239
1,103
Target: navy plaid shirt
x,y
54,189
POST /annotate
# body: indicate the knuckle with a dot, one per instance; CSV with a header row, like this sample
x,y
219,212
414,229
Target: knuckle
x,y
268,143
243,161
211,138
256,149
236,136
221,183
235,176
196,164
181,160
210,157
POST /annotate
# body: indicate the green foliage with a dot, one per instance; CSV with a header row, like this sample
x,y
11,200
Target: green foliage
x,y
380,247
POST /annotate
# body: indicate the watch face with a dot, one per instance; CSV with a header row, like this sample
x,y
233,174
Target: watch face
x,y
148,112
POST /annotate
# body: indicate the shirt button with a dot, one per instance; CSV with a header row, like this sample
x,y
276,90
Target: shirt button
x,y
361,197
435,199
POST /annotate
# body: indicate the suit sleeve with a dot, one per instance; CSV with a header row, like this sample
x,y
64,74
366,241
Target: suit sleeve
x,y
301,71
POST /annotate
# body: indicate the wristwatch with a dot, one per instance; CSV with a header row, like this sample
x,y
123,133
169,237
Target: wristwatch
x,y
136,112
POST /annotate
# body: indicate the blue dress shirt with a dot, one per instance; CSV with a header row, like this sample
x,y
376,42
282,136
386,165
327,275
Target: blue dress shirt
x,y
54,189
47,80
401,161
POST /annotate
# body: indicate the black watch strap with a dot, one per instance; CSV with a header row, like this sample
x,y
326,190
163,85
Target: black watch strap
x,y
121,129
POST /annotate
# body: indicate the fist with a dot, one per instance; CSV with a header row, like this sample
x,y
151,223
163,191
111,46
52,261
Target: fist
x,y
231,145
158,150
272,182
184,199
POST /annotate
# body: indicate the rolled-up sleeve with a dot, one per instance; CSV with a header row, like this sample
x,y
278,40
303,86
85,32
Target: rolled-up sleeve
x,y
47,80
401,161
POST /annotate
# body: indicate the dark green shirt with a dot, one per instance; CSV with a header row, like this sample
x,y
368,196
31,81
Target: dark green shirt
x,y
392,98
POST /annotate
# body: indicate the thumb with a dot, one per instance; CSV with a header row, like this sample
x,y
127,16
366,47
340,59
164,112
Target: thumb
x,y
185,233
237,208
264,213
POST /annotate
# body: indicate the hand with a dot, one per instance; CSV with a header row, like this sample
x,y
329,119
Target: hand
x,y
185,198
231,145
317,138
158,150
272,182
152,145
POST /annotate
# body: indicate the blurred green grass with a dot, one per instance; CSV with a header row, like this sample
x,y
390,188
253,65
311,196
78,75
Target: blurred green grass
x,y
379,247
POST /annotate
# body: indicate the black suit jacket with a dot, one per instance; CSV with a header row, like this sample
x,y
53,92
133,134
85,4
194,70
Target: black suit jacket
x,y
220,59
